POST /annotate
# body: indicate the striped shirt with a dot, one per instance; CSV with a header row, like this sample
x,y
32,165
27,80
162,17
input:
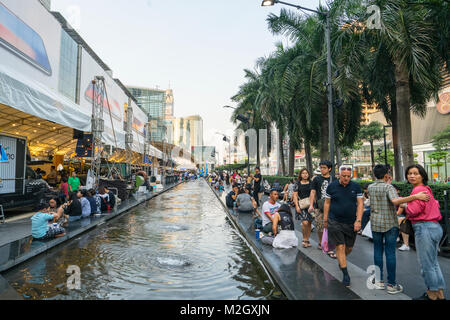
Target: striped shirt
x,y
383,216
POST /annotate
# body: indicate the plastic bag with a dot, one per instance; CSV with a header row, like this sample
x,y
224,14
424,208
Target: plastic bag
x,y
326,247
285,239
367,232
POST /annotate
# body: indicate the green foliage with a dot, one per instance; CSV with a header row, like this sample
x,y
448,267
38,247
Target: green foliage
x,y
405,189
371,132
390,158
232,167
441,141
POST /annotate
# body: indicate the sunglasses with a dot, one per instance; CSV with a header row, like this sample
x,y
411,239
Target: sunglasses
x,y
345,169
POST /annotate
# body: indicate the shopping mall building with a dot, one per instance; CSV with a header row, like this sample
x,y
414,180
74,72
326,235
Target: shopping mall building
x,y
47,92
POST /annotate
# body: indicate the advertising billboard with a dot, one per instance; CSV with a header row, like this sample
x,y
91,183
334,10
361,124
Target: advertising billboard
x,y
30,51
113,101
138,125
22,40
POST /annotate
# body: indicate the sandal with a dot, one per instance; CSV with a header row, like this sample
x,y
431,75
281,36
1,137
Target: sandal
x,y
319,247
331,254
306,244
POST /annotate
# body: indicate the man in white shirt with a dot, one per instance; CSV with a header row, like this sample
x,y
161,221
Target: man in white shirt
x,y
269,208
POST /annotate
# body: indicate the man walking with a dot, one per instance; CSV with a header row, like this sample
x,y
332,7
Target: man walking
x,y
343,210
384,225
317,196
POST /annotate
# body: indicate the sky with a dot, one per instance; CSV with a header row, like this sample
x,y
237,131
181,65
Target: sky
x,y
199,48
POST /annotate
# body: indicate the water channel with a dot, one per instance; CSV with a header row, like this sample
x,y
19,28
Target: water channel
x,y
179,245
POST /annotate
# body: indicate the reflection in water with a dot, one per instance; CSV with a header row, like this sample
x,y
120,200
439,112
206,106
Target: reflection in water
x,y
178,246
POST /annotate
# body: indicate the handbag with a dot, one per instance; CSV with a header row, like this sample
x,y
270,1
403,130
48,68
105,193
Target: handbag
x,y
406,227
304,203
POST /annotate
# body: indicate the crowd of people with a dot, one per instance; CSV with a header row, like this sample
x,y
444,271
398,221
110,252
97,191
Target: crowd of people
x,y
343,209
73,202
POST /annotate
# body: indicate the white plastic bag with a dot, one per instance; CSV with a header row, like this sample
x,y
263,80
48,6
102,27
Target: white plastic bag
x,y
367,232
285,239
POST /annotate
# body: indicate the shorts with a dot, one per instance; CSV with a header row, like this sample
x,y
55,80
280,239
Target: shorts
x,y
52,232
341,233
304,215
318,220
268,228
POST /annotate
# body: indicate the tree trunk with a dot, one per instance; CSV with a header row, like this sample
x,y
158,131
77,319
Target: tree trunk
x,y
398,168
324,137
308,157
338,157
372,154
291,157
403,108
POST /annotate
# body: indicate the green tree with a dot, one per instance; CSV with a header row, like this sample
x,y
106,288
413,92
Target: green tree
x,y
441,141
372,132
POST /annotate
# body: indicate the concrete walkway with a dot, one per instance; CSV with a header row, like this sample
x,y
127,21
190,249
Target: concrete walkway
x,y
308,273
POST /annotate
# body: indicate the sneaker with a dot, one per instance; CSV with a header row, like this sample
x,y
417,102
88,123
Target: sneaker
x,y
404,248
394,289
379,285
346,281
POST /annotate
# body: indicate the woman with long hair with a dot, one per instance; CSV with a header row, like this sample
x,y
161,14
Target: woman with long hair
x,y
425,217
301,195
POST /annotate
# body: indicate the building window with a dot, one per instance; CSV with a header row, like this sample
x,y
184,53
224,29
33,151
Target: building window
x,y
68,66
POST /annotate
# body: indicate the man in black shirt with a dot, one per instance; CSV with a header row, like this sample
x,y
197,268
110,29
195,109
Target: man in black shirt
x,y
343,210
318,190
257,193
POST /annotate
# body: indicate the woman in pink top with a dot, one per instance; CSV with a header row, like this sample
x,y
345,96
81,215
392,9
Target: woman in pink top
x,y
425,217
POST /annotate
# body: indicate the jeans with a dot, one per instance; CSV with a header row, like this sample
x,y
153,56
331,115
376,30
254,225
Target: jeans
x,y
389,247
427,236
74,218
258,223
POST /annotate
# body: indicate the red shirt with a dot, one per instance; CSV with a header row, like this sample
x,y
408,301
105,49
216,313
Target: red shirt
x,y
421,211
65,188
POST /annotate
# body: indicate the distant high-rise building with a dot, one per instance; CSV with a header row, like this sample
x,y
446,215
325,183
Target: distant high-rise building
x,y
169,104
158,105
187,132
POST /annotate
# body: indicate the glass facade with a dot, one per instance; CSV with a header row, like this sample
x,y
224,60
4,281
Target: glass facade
x,y
153,103
68,67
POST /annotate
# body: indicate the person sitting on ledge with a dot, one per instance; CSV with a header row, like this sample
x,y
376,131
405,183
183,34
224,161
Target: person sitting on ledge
x,y
112,198
286,238
231,197
244,201
85,204
40,227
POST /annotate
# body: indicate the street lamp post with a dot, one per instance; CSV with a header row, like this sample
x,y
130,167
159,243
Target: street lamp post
x,y
267,3
246,120
227,139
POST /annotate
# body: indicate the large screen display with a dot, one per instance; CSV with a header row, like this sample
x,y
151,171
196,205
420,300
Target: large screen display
x,y
18,37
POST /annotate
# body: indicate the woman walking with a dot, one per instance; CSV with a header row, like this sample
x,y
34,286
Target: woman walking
x,y
301,195
425,217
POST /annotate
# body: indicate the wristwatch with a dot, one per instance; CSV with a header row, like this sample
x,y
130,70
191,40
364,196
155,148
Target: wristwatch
x,y
359,221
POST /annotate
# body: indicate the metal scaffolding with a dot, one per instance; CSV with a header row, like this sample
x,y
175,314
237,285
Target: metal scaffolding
x,y
98,127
